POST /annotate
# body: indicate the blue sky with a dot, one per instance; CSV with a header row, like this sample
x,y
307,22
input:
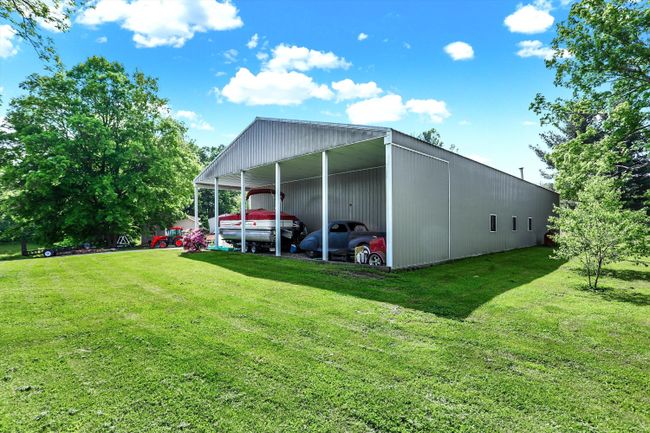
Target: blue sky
x,y
468,68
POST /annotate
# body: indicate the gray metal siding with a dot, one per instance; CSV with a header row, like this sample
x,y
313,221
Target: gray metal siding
x,y
420,209
266,141
359,195
476,192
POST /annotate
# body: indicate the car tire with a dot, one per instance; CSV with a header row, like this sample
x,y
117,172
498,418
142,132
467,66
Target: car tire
x,y
178,242
48,253
366,248
375,259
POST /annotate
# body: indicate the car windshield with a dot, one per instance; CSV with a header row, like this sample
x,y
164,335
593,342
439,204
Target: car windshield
x,y
358,227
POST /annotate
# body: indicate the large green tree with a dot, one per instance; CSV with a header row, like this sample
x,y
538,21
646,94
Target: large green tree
x,y
91,153
602,55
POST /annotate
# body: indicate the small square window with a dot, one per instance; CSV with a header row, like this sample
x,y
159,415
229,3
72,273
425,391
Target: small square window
x,y
530,224
493,223
514,223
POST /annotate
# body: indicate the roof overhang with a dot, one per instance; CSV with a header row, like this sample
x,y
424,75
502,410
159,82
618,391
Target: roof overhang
x,y
363,155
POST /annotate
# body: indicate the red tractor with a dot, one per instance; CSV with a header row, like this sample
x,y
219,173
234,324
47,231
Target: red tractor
x,y
172,236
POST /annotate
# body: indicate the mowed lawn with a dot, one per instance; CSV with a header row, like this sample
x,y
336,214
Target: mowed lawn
x,y
165,341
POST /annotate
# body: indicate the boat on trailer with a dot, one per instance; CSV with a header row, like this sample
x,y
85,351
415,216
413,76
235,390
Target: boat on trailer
x,y
260,226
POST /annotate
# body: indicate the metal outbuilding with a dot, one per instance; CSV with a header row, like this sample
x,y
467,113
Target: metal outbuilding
x,y
433,204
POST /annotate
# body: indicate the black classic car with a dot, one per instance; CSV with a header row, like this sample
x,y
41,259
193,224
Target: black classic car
x,y
344,237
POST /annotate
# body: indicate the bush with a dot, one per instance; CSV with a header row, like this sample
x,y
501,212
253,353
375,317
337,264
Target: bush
x,y
194,241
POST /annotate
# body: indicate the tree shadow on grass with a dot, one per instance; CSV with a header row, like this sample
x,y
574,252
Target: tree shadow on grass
x,y
452,290
630,296
618,294
627,274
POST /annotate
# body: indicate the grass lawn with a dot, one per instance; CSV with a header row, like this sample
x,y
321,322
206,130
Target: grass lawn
x,y
11,250
162,341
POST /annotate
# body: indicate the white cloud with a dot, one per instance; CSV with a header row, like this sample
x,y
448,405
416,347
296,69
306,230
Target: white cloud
x,y
202,125
58,11
8,48
163,23
231,55
387,108
436,110
348,89
186,115
194,120
330,113
287,58
273,88
252,43
538,49
406,45
101,40
460,50
362,36
479,158
217,93
390,108
262,56
528,123
464,122
220,74
531,18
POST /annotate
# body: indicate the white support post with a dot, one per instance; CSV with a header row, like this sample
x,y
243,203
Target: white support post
x,y
388,141
278,209
216,211
243,213
325,206
196,206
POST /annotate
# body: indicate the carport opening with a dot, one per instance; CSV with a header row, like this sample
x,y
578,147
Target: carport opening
x,y
356,193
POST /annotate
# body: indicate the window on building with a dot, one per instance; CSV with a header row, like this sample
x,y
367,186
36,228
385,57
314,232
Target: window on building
x,y
493,223
530,224
514,223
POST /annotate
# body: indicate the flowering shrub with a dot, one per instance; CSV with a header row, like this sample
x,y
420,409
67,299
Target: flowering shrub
x,y
194,241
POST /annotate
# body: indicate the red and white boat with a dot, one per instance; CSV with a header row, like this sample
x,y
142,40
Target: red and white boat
x,y
260,226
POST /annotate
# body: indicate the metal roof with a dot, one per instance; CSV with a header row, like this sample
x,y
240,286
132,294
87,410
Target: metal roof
x,y
266,141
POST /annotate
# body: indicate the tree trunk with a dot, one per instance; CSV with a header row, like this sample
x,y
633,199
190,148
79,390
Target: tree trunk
x,y
598,268
23,245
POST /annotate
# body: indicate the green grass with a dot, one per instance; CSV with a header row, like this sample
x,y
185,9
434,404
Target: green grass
x,y
161,341
11,250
